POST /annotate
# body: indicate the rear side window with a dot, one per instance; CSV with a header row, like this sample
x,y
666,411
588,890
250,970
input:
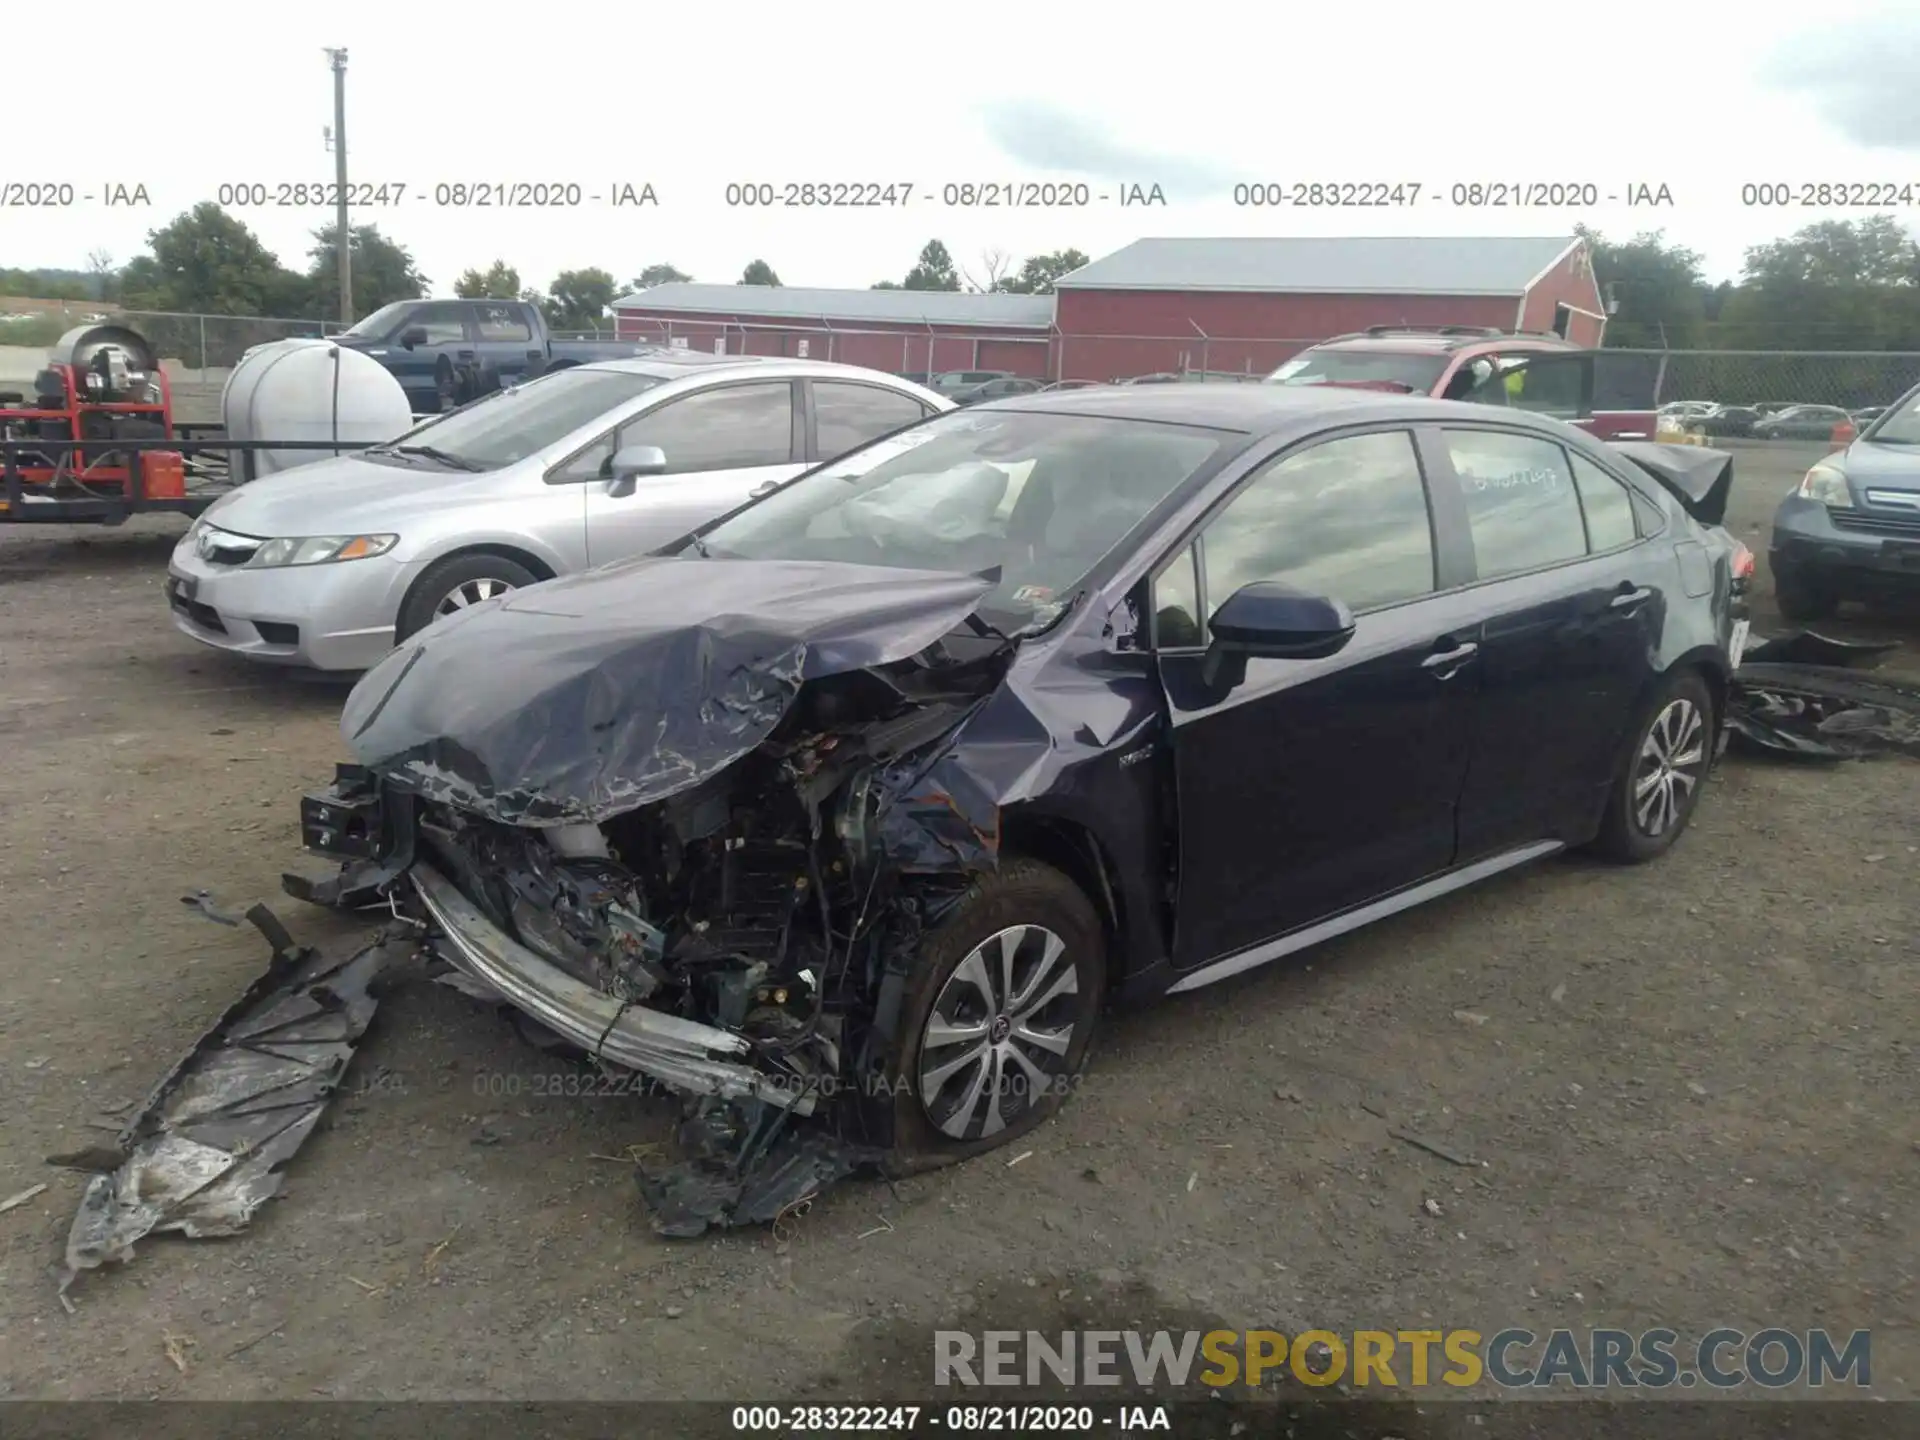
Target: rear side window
x,y
1346,518
848,416
503,324
1608,506
1522,507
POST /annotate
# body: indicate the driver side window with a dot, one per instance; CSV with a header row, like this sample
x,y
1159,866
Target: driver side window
x,y
1345,519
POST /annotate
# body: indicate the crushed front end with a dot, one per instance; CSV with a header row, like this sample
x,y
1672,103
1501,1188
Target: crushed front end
x,y
742,941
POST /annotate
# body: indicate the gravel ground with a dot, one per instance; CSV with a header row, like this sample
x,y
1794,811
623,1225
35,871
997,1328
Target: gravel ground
x,y
1691,1084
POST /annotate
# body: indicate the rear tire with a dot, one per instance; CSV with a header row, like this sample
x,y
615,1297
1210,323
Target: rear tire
x,y
1658,789
456,582
1802,600
999,1017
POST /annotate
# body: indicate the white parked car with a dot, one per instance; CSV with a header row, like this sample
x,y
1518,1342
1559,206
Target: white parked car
x,y
330,565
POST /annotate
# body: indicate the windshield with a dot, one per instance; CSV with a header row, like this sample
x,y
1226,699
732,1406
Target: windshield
x,y
510,425
1419,373
1043,497
376,324
1900,424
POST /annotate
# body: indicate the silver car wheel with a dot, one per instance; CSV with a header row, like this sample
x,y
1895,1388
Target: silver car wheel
x,y
470,592
1670,765
998,1037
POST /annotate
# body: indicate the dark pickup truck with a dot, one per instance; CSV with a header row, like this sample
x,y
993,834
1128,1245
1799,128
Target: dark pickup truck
x,y
446,352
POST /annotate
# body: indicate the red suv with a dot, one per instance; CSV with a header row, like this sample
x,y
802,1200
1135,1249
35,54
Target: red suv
x,y
1541,373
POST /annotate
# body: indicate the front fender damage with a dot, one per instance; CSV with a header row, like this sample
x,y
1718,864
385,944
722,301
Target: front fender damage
x,y
701,849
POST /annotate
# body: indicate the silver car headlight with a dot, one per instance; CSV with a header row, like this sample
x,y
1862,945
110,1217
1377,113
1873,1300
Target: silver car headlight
x,y
319,550
1827,485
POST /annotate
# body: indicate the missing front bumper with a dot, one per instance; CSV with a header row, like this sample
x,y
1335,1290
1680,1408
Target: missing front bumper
x,y
698,1059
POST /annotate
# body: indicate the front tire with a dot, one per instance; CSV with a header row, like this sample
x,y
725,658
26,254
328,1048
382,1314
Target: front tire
x,y
1000,1016
1659,786
451,585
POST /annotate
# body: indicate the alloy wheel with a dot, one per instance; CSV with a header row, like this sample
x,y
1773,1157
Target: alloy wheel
x,y
1672,759
470,592
997,1038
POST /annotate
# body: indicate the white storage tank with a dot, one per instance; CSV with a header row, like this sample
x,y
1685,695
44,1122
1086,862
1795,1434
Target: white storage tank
x,y
310,390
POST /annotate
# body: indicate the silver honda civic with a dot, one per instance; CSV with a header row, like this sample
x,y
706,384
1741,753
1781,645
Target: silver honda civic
x,y
332,564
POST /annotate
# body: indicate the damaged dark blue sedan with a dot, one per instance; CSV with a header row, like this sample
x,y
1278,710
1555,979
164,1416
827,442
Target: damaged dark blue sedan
x,y
847,819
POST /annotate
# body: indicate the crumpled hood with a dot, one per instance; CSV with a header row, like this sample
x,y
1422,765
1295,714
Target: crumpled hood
x,y
584,697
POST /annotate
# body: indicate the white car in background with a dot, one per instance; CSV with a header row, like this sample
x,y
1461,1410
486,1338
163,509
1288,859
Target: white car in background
x,y
330,565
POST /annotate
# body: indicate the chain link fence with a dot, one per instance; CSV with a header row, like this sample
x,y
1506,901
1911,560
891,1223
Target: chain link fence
x,y
1849,380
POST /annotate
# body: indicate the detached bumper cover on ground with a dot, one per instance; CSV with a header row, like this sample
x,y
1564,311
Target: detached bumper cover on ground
x,y
205,1151
1804,696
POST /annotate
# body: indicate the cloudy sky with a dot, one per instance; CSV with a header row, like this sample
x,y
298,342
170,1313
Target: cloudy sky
x,y
1701,98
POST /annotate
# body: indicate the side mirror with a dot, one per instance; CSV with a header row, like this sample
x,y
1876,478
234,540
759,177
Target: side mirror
x,y
413,335
628,465
1275,622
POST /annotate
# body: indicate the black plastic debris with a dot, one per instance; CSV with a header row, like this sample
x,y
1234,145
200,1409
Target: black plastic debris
x,y
1803,696
744,1165
1804,647
206,1149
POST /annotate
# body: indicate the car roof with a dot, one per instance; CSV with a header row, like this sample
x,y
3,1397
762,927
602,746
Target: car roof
x,y
1260,410
670,364
1441,340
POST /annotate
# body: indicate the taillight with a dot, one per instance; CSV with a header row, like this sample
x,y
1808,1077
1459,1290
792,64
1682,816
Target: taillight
x,y
1742,564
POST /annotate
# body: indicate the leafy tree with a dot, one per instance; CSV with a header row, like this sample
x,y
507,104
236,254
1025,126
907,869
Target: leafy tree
x,y
1656,288
206,262
1038,272
383,269
758,272
1834,285
1874,251
934,271
50,284
499,281
885,285
659,275
578,299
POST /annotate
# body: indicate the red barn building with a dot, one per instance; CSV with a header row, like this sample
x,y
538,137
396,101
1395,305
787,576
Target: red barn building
x,y
905,332
1245,305
1158,306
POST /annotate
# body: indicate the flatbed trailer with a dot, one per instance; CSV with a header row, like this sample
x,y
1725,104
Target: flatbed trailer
x,y
107,482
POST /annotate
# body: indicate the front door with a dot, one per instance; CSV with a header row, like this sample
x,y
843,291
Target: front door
x,y
1570,604
1315,785
448,336
721,445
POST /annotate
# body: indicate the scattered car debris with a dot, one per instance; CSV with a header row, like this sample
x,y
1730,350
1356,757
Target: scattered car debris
x,y
202,900
1803,696
205,1150
1804,647
1434,1147
14,1202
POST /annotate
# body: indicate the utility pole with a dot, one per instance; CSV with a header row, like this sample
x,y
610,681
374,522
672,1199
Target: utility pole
x,y
343,234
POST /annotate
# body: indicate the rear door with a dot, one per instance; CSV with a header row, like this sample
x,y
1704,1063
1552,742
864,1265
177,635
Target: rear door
x,y
843,415
504,339
1569,601
1316,785
1558,383
720,443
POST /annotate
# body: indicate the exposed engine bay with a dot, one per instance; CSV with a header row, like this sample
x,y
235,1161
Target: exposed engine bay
x,y
776,904
750,901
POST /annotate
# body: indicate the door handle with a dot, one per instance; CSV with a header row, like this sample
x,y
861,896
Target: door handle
x,y
1632,599
1444,663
